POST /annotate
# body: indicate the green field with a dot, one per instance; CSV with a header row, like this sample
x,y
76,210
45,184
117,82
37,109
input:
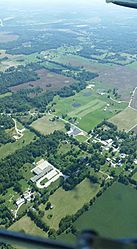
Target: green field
x,y
134,177
10,148
61,199
126,119
26,225
81,138
46,126
78,61
5,95
114,214
89,107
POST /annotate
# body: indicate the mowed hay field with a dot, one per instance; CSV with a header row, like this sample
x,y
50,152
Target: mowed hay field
x,y
114,214
89,108
125,120
45,126
68,202
47,81
25,224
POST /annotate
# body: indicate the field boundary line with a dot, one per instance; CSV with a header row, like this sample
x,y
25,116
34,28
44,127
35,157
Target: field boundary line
x,y
132,128
131,99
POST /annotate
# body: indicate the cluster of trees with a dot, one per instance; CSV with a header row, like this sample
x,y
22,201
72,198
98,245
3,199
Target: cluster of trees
x,y
71,90
31,41
77,172
5,137
15,76
129,146
127,142
78,73
10,167
6,122
6,216
37,218
24,100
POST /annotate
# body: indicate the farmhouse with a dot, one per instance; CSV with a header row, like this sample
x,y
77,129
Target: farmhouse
x,y
90,86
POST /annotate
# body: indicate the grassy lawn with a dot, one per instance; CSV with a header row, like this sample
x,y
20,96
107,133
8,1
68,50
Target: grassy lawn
x,y
114,214
126,119
46,126
81,138
74,200
26,225
10,148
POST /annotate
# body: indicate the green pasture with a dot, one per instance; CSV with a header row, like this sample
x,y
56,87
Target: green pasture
x,y
114,214
61,200
88,107
25,224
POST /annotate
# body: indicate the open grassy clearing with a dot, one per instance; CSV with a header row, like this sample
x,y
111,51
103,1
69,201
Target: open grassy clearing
x,y
78,61
47,81
89,107
25,224
114,214
126,119
61,199
46,126
5,95
10,148
134,177
81,138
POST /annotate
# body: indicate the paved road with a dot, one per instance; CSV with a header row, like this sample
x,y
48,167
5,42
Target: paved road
x,y
130,102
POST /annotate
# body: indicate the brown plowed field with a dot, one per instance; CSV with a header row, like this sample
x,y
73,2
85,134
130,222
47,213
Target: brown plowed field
x,y
47,81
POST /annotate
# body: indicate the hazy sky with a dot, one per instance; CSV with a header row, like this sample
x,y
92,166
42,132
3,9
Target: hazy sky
x,y
49,2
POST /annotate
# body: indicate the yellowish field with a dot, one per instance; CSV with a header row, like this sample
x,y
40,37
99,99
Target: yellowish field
x,y
125,120
26,225
46,126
